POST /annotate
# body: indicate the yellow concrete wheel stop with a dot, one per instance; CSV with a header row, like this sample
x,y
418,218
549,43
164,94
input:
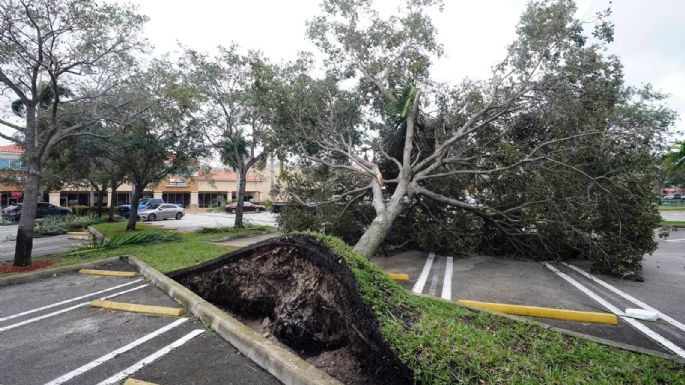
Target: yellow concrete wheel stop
x,y
544,312
136,308
399,277
109,273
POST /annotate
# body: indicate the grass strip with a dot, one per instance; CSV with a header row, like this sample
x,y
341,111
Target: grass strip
x,y
188,248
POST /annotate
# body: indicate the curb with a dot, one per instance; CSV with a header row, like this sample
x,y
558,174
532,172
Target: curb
x,y
599,340
46,273
270,355
98,235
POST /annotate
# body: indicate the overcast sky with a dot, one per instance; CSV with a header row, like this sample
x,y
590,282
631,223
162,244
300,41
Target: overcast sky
x,y
649,36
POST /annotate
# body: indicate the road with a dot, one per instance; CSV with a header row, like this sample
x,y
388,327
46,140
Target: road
x,y
73,343
528,282
194,221
673,215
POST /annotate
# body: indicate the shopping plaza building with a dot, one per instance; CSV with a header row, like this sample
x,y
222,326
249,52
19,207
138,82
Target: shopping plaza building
x,y
198,191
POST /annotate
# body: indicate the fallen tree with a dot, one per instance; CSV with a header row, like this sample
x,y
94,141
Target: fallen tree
x,y
536,155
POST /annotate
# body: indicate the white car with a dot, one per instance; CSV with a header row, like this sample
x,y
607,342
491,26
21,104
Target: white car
x,y
161,211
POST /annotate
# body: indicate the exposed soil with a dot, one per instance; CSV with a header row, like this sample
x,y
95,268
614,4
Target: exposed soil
x,y
7,268
295,290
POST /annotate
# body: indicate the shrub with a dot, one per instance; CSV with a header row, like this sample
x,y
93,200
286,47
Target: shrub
x,y
61,224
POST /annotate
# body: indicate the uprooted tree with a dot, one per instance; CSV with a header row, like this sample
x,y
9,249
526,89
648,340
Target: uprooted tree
x,y
550,157
48,47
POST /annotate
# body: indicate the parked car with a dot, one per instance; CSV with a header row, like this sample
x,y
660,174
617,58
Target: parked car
x,y
125,210
43,210
157,211
247,206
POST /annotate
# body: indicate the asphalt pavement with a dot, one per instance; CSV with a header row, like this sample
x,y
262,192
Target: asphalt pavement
x,y
50,335
194,221
42,246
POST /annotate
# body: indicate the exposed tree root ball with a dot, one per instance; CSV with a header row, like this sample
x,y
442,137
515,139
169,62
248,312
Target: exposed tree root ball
x,y
298,291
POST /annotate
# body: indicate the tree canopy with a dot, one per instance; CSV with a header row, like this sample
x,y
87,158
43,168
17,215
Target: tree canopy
x,y
550,157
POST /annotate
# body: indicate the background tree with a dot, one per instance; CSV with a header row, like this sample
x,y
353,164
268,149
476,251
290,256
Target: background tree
x,y
535,155
162,140
238,109
79,45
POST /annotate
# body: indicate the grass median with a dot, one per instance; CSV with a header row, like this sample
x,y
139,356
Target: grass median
x,y
679,224
189,249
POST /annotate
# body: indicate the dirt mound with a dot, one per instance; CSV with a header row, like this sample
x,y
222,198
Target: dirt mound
x,y
299,292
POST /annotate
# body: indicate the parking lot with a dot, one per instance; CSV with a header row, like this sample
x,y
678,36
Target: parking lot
x,y
49,334
193,221
41,246
528,282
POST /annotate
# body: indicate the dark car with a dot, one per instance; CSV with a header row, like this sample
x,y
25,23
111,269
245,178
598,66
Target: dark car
x,y
42,210
247,206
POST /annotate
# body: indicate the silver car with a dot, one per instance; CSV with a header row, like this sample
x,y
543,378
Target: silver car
x,y
161,211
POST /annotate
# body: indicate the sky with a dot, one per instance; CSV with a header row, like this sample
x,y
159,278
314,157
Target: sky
x,y
649,35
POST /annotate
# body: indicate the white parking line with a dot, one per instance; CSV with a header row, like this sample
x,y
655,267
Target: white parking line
x,y
447,280
627,296
44,316
27,312
639,326
151,358
99,361
585,290
421,282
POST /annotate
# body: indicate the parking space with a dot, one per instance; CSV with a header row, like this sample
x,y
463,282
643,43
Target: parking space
x,y
194,221
50,335
528,282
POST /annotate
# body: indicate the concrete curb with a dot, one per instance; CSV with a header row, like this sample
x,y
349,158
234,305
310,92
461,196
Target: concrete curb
x,y
272,356
98,235
47,273
599,340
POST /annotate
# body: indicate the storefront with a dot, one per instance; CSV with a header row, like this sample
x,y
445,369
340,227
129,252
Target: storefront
x,y
211,199
179,198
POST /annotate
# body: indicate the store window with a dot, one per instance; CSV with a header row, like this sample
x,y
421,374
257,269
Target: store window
x,y
10,164
208,200
181,199
74,199
122,199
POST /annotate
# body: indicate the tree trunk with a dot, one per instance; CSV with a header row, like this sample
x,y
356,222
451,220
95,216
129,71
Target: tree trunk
x,y
386,214
133,214
374,236
110,217
242,175
101,193
24,244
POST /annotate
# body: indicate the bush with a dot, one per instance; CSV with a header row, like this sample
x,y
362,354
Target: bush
x,y
298,218
61,224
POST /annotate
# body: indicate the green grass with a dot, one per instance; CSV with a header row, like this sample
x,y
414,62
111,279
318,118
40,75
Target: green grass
x,y
672,223
450,344
191,249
